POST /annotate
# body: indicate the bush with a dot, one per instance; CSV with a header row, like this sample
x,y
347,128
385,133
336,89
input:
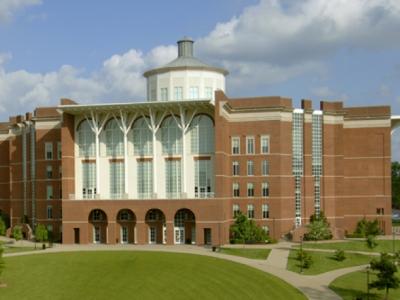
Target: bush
x,y
2,226
1,260
245,231
339,255
17,232
318,229
304,258
41,233
371,242
366,228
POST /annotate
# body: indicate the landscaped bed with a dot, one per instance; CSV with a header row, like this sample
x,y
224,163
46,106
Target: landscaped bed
x,y
247,252
358,245
137,275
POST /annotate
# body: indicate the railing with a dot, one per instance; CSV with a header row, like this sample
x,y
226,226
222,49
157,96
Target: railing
x,y
204,195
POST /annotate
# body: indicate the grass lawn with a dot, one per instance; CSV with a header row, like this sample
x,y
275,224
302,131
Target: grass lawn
x,y
354,285
324,262
248,253
137,275
13,249
383,246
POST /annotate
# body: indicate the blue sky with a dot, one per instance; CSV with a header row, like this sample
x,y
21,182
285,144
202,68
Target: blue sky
x,y
96,51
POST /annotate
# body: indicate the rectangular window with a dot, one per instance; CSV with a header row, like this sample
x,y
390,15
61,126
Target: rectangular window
x,y
88,180
117,180
250,144
235,168
173,178
265,168
49,212
250,211
250,168
235,141
203,178
59,153
164,94
265,189
145,179
250,190
49,172
265,211
380,211
49,192
178,93
236,210
194,92
208,92
236,191
48,150
264,144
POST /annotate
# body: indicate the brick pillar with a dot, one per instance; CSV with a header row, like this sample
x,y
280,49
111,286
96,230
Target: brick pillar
x,y
170,233
141,233
111,239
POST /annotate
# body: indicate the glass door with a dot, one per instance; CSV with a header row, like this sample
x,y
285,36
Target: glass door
x,y
124,235
152,235
179,235
96,235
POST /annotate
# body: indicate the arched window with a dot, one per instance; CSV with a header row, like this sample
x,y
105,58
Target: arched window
x,y
114,139
202,135
171,137
86,139
142,138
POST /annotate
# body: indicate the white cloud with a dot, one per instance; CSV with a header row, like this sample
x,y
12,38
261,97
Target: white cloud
x,y
9,7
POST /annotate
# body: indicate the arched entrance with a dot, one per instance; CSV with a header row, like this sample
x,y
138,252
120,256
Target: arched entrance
x,y
184,227
126,221
99,228
155,219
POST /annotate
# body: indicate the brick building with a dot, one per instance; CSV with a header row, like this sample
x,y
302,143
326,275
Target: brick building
x,y
177,168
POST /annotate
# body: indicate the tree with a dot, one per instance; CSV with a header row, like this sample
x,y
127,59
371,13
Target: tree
x,y
2,226
365,228
386,277
245,231
41,233
339,255
304,258
396,184
371,242
17,232
318,229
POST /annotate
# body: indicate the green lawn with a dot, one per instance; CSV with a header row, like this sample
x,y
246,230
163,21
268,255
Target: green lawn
x,y
324,262
383,246
353,285
137,275
248,253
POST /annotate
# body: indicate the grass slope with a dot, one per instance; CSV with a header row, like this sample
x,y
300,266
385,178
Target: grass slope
x,y
324,262
137,275
353,285
248,253
383,246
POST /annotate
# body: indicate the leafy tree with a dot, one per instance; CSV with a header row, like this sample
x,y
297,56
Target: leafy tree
x,y
339,255
41,233
304,258
245,231
366,228
318,229
371,242
386,277
396,184
17,232
2,226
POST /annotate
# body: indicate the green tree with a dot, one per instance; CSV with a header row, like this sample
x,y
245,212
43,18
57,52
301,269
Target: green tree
x,y
2,226
339,255
396,184
318,228
304,258
366,228
371,242
245,231
386,277
17,232
41,233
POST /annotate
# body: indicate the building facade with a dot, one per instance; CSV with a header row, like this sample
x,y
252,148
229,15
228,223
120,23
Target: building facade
x,y
178,168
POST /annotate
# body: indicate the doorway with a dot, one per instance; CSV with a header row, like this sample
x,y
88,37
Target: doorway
x,y
76,236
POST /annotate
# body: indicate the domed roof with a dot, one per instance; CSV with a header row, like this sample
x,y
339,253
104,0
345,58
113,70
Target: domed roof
x,y
185,61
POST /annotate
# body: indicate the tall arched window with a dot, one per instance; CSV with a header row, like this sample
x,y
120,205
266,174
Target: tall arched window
x,y
171,137
86,139
202,135
114,139
142,138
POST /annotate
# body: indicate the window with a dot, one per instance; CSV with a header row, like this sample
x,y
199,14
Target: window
x,y
235,168
202,135
250,144
264,144
117,180
145,179
49,212
59,154
88,180
250,190
194,92
235,145
173,178
250,168
142,137
178,93
114,138
49,172
203,178
236,210
208,92
48,150
250,211
164,94
49,192
265,211
236,191
265,189
380,211
265,168
171,137
86,139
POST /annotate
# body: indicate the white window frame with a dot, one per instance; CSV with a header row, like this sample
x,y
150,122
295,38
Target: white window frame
x,y
250,144
265,211
208,92
250,168
164,94
250,187
264,137
236,187
49,212
194,92
178,93
250,211
48,149
235,168
233,140
49,172
235,210
264,167
49,192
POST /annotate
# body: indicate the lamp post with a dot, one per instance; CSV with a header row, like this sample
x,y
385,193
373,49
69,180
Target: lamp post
x,y
301,254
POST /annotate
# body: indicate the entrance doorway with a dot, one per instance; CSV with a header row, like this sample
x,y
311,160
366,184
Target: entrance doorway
x,y
152,235
207,236
184,227
76,236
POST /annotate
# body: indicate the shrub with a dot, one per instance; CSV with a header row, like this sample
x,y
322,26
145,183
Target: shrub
x,y
304,258
17,232
2,226
2,264
245,231
339,255
371,242
318,229
41,233
365,228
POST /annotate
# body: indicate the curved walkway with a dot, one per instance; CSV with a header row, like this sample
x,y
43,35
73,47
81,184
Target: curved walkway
x,y
315,287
